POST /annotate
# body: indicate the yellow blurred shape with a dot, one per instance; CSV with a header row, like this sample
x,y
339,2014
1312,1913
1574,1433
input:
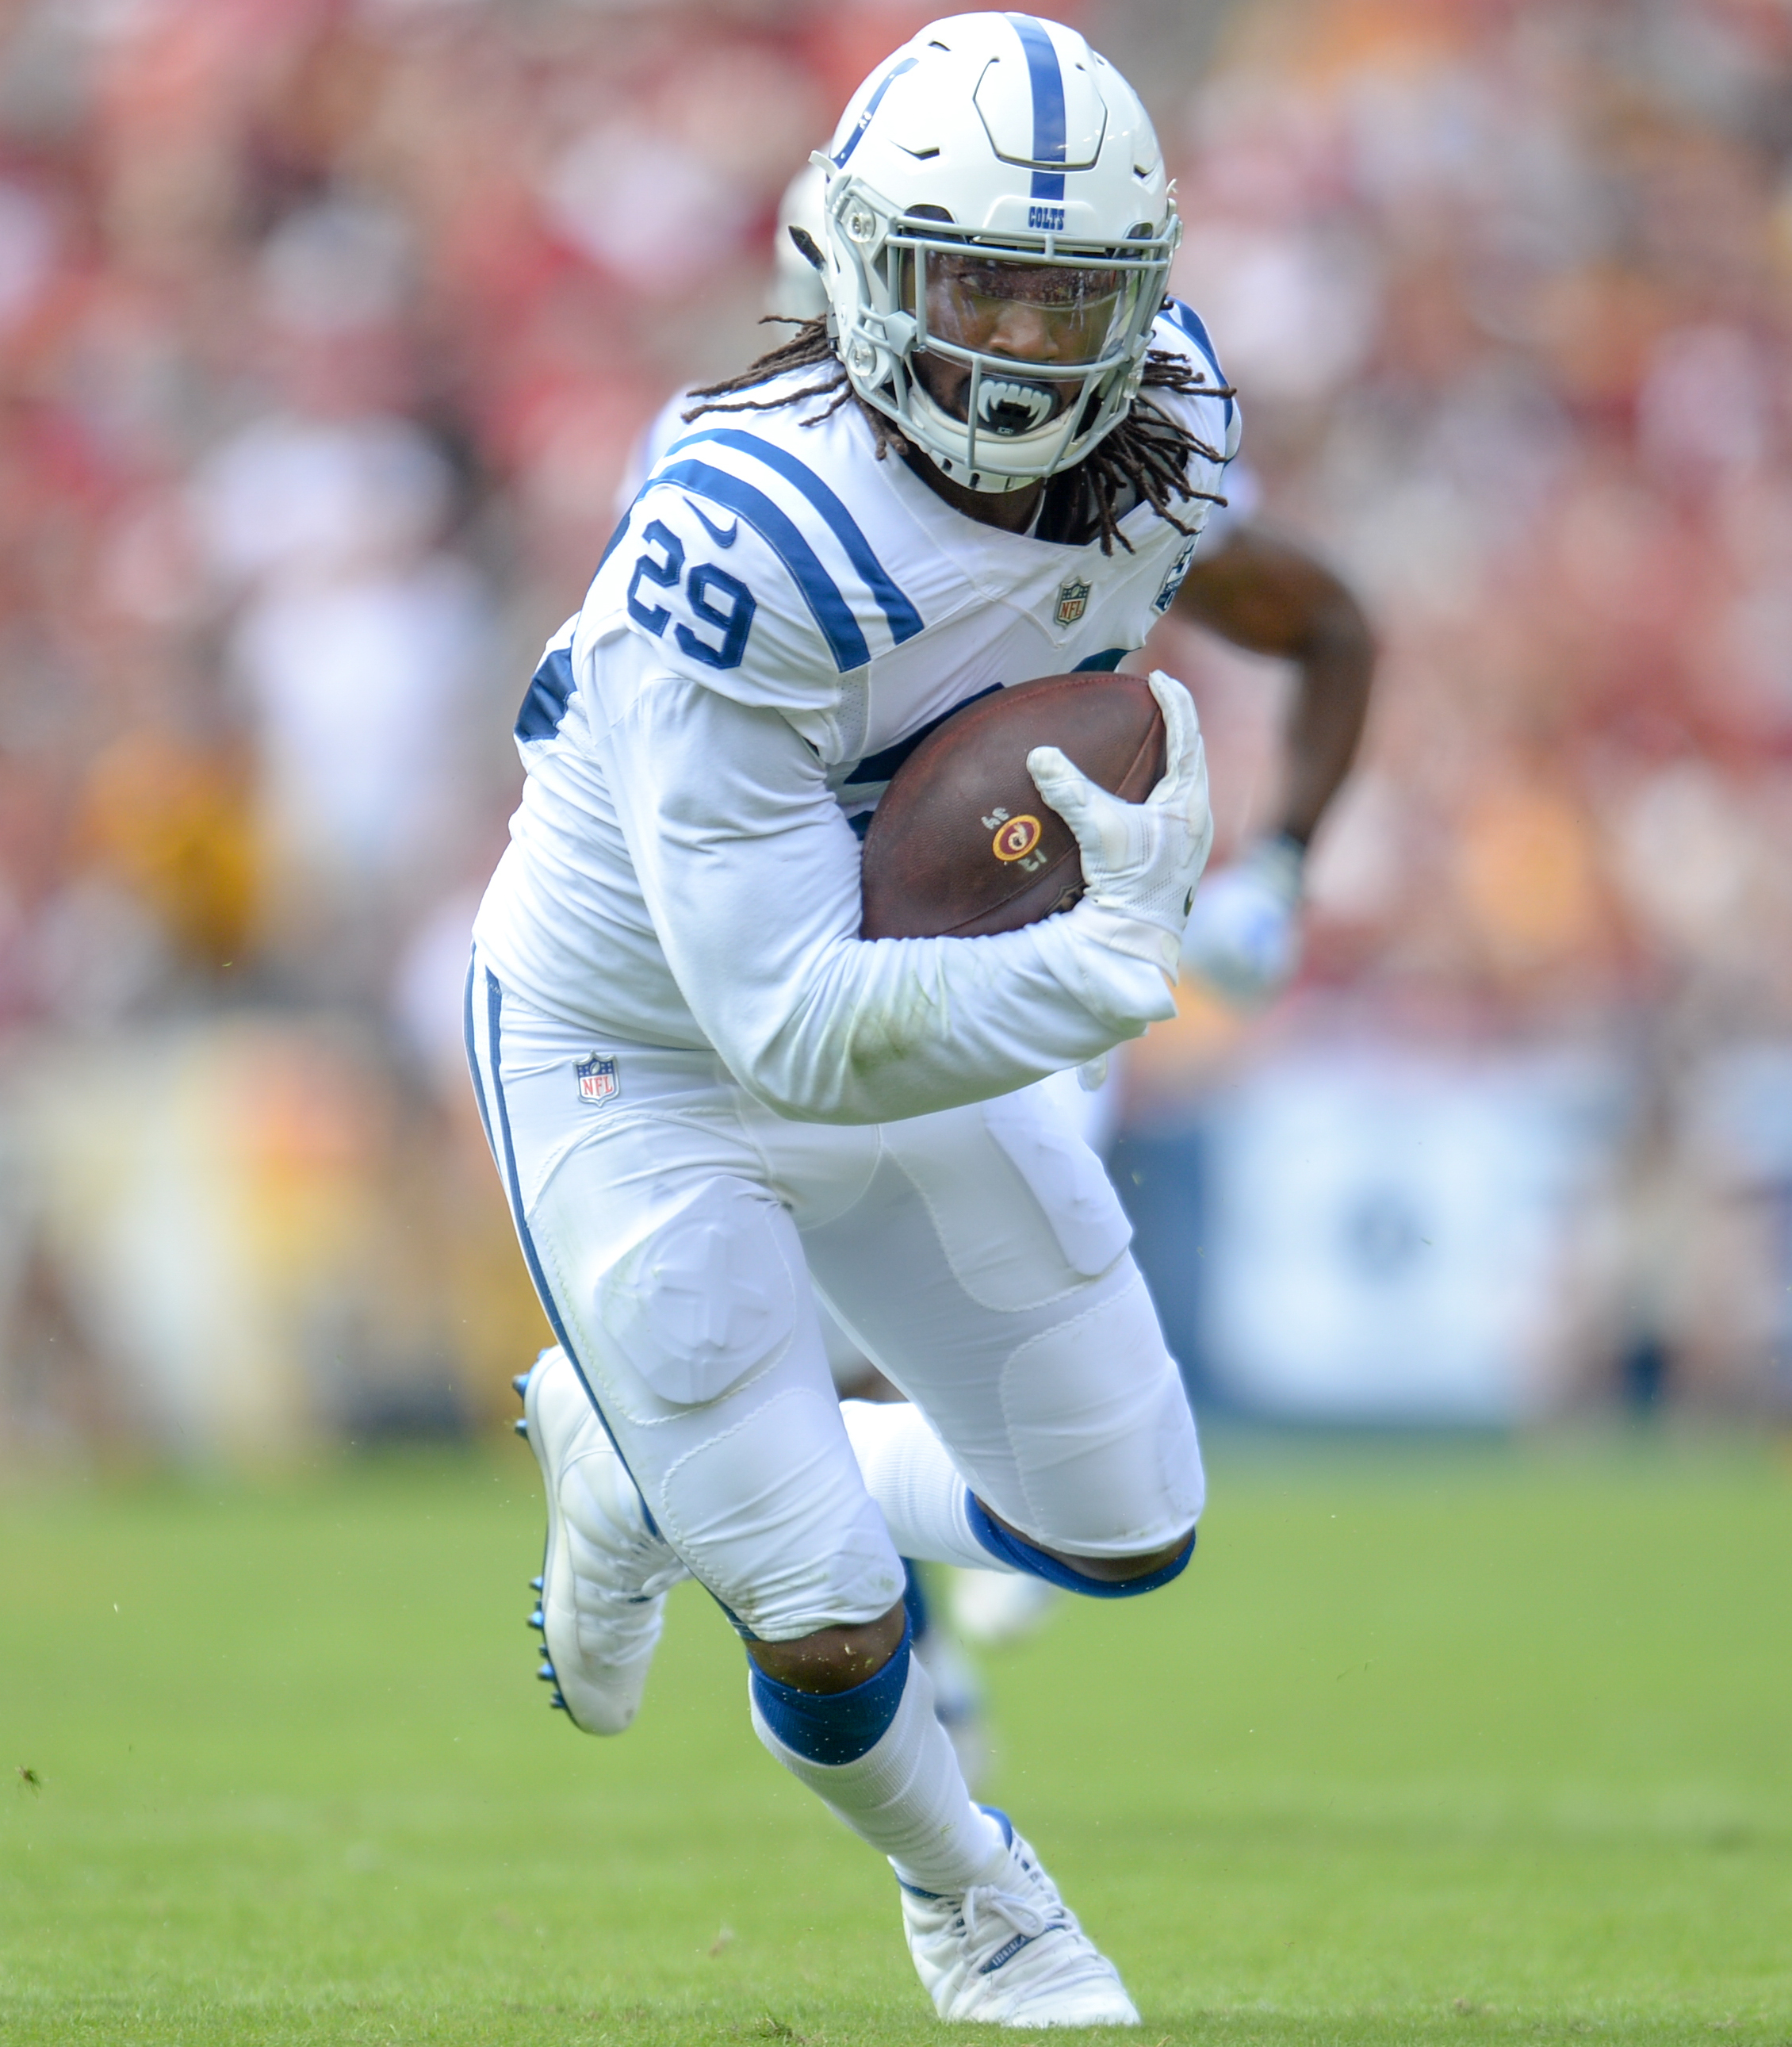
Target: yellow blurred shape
x,y
1525,868
173,823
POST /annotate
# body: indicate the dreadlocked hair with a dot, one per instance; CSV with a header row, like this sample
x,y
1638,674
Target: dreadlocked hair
x,y
1143,460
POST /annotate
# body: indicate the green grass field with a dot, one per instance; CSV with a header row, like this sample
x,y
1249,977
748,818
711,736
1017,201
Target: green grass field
x,y
1468,1744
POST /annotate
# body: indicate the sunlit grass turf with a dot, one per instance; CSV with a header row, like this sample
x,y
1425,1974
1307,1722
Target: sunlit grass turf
x,y
1459,1744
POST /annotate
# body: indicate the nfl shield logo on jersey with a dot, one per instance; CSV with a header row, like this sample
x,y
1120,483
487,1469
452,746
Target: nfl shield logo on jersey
x,y
597,1079
1073,600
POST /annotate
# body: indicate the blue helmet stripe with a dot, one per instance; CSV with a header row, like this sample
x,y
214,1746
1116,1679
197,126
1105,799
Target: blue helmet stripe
x,y
1048,104
820,592
904,620
872,105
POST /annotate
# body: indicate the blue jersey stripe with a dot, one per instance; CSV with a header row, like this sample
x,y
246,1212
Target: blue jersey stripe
x,y
505,1152
610,544
871,106
904,620
820,592
550,691
877,768
472,1058
1047,93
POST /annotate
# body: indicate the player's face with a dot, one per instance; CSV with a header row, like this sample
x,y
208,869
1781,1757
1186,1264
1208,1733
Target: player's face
x,y
1023,313
1034,312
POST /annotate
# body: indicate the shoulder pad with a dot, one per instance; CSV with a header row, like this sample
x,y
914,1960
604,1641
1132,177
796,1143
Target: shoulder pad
x,y
1213,415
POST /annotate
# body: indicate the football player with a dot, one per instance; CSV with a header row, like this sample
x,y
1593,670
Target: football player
x,y
705,1093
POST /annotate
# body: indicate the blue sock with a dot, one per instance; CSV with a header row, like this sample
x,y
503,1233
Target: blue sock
x,y
1021,1555
879,1758
834,1727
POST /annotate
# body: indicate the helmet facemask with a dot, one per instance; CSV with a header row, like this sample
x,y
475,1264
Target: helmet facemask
x,y
1004,357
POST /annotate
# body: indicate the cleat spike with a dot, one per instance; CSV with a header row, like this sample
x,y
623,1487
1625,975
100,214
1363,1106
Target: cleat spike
x,y
536,1584
520,1384
606,1622
559,1704
521,1424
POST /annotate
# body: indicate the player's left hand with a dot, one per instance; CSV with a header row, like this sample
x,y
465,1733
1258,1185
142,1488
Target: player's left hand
x,y
1243,938
1140,861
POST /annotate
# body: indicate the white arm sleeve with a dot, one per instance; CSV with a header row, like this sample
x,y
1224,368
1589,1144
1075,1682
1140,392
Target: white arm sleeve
x,y
751,875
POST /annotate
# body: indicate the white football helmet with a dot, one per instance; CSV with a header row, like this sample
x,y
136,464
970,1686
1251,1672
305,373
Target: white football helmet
x,y
797,291
997,235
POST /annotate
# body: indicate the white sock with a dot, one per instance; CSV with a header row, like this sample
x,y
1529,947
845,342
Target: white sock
x,y
907,1472
905,1796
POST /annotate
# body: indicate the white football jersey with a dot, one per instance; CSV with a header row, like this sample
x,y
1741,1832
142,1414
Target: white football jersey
x,y
682,875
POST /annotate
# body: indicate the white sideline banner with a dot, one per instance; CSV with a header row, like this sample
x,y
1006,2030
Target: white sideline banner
x,y
1401,1237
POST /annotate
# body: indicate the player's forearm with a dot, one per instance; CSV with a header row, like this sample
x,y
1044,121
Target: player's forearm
x,y
1270,596
904,1028
750,875
1336,665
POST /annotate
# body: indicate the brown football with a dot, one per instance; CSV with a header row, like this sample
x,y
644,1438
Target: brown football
x,y
962,844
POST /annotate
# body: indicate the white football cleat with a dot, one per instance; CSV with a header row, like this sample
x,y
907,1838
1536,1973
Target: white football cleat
x,y
1010,1953
992,1608
604,1574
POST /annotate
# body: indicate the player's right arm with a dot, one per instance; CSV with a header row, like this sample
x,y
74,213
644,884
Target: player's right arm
x,y
714,760
751,875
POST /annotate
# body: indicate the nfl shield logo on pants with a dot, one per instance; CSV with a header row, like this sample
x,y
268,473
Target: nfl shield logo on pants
x,y
597,1079
1073,600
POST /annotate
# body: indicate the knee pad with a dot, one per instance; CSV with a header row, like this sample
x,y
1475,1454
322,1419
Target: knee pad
x,y
706,1297
771,1515
1107,1461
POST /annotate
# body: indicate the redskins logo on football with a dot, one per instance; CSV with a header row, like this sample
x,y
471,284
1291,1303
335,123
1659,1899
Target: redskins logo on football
x,y
1016,837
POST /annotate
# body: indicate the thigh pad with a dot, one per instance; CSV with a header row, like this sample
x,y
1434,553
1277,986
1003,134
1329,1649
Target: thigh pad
x,y
706,1298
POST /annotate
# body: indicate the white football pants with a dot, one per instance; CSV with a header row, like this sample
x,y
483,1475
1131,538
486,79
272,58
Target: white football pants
x,y
978,1257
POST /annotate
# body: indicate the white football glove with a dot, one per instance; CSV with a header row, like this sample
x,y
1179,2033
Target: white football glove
x,y
1243,938
1140,861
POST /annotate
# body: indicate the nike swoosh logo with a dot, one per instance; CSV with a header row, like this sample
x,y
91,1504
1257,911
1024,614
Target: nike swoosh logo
x,y
721,540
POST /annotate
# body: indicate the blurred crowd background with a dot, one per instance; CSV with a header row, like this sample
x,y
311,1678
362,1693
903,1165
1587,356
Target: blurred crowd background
x,y
326,328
